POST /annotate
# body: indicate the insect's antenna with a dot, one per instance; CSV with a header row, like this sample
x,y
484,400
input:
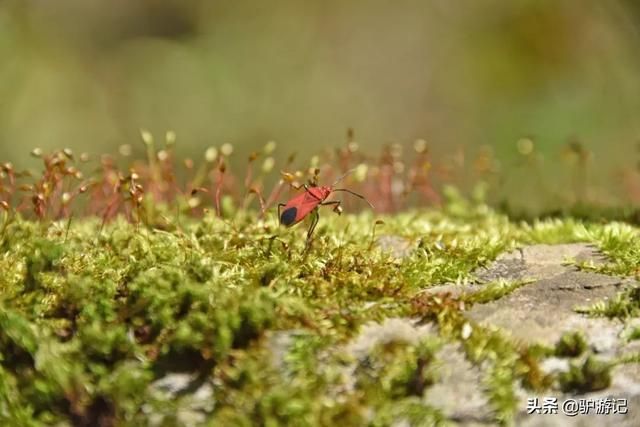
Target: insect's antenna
x,y
341,177
355,194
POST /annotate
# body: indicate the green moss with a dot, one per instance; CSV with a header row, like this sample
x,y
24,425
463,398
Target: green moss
x,y
589,375
410,410
493,291
91,316
395,370
571,345
633,334
624,305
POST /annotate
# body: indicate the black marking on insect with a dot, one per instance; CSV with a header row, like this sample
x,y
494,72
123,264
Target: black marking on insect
x,y
288,217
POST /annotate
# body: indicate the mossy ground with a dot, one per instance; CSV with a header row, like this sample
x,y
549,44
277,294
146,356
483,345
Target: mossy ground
x,y
90,316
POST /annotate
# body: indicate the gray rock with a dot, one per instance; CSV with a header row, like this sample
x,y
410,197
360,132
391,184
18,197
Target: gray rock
x,y
279,343
458,392
543,254
554,365
542,311
187,407
373,334
172,384
391,330
455,289
537,262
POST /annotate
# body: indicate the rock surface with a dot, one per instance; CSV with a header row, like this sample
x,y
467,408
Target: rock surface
x,y
188,400
539,262
458,392
544,309
541,312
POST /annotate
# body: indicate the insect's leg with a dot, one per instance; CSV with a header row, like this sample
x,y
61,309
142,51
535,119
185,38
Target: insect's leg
x,y
280,205
314,222
336,206
355,194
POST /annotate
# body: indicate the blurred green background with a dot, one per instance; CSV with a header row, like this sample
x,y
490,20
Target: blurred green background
x,y
90,74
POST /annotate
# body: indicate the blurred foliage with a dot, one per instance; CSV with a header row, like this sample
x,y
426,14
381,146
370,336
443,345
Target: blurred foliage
x,y
88,75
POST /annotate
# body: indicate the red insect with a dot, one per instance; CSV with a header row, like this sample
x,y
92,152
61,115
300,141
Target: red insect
x,y
296,209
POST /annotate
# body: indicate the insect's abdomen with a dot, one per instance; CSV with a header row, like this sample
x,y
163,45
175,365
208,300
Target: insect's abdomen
x,y
288,217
